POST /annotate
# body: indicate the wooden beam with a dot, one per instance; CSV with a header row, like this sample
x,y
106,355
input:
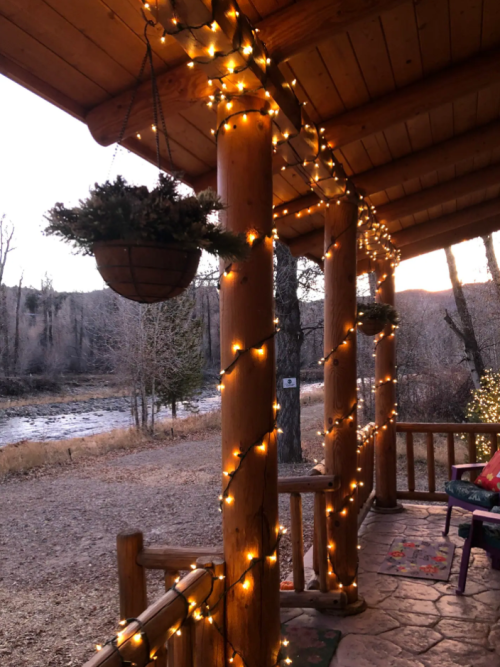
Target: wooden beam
x,y
468,145
440,241
285,32
311,242
232,29
308,484
306,23
446,223
175,558
444,192
179,89
414,100
16,73
305,243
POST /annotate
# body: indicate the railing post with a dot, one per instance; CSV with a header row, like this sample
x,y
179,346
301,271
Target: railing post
x,y
209,642
410,461
385,397
131,575
321,539
472,455
297,538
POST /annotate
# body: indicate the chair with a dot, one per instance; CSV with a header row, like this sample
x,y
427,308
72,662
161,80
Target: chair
x,y
467,495
484,533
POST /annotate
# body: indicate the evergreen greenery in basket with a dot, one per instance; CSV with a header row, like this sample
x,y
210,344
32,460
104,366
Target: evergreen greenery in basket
x,y
118,211
382,313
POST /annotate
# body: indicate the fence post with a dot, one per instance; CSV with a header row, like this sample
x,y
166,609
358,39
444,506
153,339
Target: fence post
x,y
209,633
131,575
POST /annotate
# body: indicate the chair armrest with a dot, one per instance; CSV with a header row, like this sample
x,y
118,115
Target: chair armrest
x,y
478,516
458,470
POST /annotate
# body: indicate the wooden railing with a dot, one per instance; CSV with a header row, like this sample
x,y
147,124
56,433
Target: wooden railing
x,y
172,628
450,430
299,597
168,631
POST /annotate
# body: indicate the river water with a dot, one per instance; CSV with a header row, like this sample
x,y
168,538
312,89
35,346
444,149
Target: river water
x,y
63,423
78,425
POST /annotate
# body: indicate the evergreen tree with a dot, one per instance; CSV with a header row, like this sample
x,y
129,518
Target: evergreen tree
x,y
484,408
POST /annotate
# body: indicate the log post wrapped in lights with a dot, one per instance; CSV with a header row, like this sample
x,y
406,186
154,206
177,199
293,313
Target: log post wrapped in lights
x,y
385,395
250,508
340,392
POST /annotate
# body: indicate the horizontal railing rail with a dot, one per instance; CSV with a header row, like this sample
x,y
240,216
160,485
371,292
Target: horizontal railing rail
x,y
450,430
167,622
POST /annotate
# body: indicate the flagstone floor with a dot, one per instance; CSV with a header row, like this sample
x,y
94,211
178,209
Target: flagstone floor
x,y
414,622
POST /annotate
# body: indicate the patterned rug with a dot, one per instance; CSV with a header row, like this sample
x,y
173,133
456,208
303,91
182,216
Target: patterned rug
x,y
420,559
309,646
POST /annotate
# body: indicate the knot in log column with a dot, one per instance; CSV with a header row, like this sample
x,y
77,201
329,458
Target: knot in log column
x,y
385,395
250,521
340,392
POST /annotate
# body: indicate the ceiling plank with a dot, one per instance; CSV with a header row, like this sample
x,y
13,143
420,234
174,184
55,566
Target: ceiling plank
x,y
414,239
413,100
468,145
418,165
458,187
452,237
305,24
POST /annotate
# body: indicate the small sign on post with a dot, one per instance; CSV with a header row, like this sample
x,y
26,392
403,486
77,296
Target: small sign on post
x,y
289,383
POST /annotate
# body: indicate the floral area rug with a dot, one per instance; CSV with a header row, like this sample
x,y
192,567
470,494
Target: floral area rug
x,y
308,646
420,559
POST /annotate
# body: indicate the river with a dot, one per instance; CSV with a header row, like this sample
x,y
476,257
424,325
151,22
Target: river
x,y
61,421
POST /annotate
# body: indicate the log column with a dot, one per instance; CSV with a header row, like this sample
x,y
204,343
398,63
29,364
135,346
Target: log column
x,y
385,396
250,521
340,392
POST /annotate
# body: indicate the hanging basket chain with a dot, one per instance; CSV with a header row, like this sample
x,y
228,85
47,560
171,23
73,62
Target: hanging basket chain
x,y
157,106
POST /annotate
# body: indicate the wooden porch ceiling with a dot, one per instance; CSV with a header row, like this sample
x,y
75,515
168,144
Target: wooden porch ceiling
x,y
408,93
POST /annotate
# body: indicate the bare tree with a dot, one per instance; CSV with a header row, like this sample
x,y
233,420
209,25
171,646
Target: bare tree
x,y
6,237
491,258
288,344
16,334
466,332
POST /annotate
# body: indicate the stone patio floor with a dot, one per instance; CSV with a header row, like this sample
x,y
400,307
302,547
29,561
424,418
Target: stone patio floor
x,y
415,622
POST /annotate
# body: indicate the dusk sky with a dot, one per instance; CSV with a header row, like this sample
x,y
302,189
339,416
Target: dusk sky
x,y
47,156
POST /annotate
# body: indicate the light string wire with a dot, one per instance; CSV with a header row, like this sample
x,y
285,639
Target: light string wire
x,y
248,49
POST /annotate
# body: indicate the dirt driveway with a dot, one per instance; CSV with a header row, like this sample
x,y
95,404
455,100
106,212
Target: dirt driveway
x,y
58,526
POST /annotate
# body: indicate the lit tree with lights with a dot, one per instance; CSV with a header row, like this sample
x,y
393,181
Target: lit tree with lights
x,y
484,408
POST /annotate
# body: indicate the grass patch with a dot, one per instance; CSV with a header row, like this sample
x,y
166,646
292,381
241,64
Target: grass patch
x,y
27,455
107,392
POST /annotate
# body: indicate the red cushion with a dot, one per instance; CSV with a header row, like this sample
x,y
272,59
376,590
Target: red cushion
x,y
490,476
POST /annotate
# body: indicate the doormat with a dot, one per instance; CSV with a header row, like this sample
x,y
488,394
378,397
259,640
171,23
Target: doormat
x,y
309,646
420,559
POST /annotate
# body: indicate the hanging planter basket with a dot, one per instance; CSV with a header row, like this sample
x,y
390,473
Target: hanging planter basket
x,y
374,317
371,327
146,272
147,244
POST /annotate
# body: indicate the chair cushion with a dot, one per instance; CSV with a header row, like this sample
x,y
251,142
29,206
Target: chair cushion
x,y
490,476
491,531
470,493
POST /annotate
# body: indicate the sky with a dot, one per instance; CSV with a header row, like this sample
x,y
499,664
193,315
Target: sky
x,y
46,156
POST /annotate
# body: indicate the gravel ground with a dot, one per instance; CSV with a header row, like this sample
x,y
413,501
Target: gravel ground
x,y
58,588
